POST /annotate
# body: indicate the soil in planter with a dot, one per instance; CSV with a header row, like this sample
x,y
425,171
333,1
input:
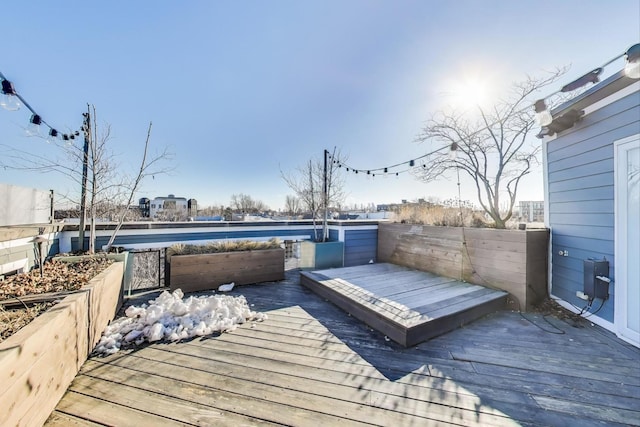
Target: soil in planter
x,y
57,276
12,321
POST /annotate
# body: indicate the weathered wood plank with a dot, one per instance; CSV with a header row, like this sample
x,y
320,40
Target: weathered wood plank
x,y
459,301
594,411
34,299
107,413
541,364
60,419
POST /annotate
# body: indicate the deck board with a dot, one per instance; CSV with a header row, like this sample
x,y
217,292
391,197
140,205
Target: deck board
x,y
409,306
312,364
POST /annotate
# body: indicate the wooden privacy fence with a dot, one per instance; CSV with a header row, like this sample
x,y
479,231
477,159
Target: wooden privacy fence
x,y
512,260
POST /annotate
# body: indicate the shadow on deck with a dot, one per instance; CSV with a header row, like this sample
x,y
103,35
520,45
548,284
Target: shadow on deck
x,y
312,364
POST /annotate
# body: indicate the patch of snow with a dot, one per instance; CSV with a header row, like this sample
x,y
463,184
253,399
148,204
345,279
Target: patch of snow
x,y
171,317
226,287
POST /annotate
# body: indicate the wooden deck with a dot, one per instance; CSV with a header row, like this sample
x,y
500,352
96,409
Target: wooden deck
x,y
407,305
311,364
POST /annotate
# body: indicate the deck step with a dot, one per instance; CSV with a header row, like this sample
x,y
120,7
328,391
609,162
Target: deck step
x,y
408,306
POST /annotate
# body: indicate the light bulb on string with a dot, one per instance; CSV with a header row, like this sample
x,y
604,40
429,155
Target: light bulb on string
x,y
53,135
453,151
9,99
34,125
632,68
543,115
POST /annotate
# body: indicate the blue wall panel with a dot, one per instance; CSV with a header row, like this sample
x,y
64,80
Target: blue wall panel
x,y
360,246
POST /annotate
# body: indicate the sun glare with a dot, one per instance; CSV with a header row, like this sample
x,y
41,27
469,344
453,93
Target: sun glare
x,y
469,92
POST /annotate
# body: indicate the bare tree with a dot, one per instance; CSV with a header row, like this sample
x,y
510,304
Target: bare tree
x,y
493,150
109,189
308,184
292,205
212,210
243,203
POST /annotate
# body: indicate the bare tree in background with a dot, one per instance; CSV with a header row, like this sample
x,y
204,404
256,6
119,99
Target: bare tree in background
x,y
292,205
494,150
307,183
243,203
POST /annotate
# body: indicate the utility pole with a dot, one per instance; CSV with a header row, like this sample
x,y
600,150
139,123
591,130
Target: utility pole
x,y
325,199
85,166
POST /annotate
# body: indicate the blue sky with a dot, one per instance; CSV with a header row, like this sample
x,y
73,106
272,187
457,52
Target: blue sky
x,y
239,90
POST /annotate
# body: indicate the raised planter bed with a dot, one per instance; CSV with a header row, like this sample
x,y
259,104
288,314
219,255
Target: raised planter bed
x,y
207,271
38,363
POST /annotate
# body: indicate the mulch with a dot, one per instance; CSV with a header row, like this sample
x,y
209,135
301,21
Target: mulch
x,y
56,277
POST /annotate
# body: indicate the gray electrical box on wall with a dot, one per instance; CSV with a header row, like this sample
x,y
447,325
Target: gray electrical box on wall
x,y
594,287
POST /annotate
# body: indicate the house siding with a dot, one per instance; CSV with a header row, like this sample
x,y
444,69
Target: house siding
x,y
580,174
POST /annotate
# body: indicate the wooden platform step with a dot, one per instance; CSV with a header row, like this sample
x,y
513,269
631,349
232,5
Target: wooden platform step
x,y
408,306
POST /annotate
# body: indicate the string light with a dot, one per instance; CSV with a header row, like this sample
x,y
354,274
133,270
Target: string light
x,y
34,125
12,100
386,169
9,99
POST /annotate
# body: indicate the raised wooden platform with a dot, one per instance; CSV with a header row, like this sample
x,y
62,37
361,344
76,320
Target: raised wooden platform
x,y
408,306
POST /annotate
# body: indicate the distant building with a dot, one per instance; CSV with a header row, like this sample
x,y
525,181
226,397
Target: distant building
x,y
531,211
170,207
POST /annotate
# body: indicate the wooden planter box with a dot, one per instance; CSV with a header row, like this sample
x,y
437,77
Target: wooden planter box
x,y
192,273
321,255
38,363
512,260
